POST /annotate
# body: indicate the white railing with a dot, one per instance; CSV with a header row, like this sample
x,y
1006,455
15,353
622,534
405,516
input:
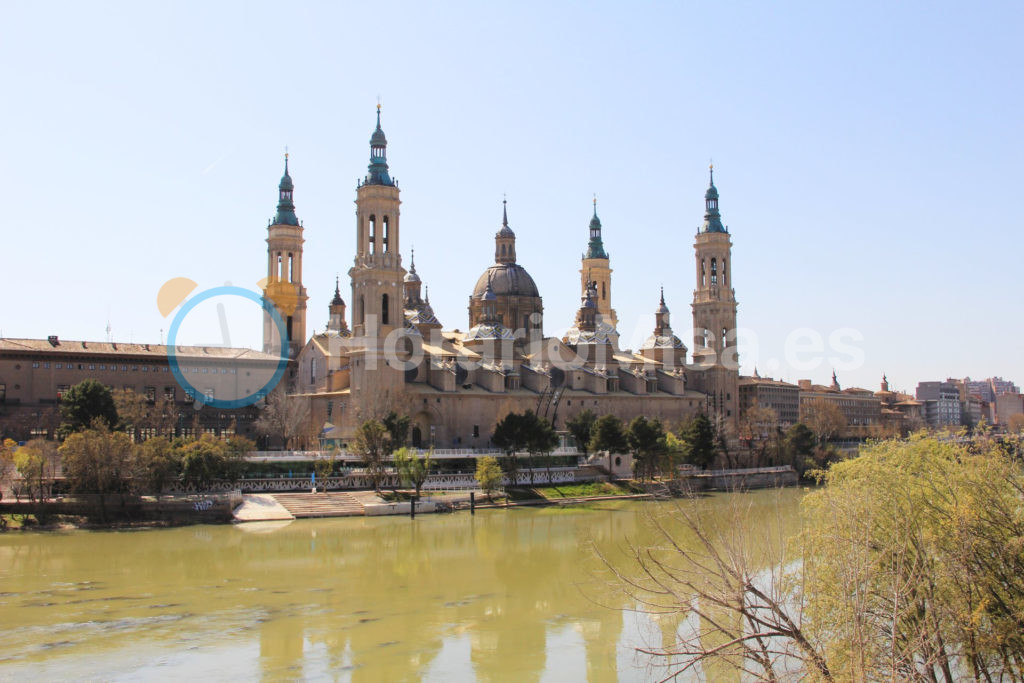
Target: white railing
x,y
438,453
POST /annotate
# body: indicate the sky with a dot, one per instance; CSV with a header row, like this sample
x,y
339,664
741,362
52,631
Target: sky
x,y
868,158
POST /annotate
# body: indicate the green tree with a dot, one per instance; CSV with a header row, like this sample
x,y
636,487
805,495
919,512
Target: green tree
x,y
206,460
699,436
412,468
646,439
798,445
324,467
372,443
511,435
488,475
608,435
97,460
541,439
85,403
582,427
398,430
157,464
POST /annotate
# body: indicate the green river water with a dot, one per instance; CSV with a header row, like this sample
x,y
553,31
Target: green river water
x,y
505,595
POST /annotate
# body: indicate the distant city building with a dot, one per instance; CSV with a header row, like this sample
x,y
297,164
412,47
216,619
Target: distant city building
x,y
941,403
1008,405
782,397
861,408
988,389
900,413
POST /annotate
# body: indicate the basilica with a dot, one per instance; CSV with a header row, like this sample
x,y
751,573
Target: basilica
x,y
392,352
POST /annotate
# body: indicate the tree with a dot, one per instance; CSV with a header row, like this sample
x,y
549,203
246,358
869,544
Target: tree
x,y
398,430
36,463
759,429
85,403
699,436
646,440
609,436
412,468
157,463
7,449
203,461
133,411
97,460
824,418
799,443
541,439
581,427
910,567
284,417
371,443
511,435
324,467
488,475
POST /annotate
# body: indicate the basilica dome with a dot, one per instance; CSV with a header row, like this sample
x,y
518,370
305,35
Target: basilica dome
x,y
507,279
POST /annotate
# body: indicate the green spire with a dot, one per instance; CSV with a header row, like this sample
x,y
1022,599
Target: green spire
x,y
378,168
712,219
595,248
285,204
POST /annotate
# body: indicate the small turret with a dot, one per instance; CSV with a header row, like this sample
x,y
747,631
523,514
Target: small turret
x,y
712,218
504,239
377,172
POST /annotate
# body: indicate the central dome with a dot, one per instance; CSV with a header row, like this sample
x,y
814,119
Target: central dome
x,y
507,279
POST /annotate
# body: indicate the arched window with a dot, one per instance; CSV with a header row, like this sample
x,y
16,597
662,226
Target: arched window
x,y
724,338
703,273
503,250
384,306
387,233
280,267
714,271
362,310
291,268
373,234
604,294
725,273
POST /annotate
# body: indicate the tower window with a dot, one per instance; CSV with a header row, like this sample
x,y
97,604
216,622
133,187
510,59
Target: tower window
x,y
280,265
703,273
604,294
289,325
725,273
387,233
362,309
714,272
384,305
291,268
373,234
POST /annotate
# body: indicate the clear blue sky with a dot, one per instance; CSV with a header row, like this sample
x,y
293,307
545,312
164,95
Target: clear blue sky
x,y
868,159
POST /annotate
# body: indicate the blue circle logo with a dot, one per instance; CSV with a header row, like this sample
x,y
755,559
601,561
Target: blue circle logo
x,y
245,398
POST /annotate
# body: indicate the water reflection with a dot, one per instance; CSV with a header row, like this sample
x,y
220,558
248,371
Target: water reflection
x,y
504,595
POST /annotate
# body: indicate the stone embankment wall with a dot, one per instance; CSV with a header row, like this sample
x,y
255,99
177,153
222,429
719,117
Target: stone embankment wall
x,y
732,480
192,509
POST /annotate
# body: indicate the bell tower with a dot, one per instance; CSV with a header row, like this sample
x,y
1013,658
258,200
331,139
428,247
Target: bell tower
x,y
596,269
377,272
714,311
284,273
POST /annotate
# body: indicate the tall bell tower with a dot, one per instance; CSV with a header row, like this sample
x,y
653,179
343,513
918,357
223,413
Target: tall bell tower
x,y
377,272
377,287
284,273
596,269
714,312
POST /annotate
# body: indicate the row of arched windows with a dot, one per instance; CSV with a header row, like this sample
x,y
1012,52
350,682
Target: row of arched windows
x,y
284,269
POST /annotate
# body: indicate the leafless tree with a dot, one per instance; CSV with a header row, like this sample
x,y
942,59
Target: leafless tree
x,y
284,417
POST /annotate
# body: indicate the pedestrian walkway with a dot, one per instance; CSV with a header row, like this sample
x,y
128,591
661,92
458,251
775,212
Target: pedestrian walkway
x,y
260,507
328,504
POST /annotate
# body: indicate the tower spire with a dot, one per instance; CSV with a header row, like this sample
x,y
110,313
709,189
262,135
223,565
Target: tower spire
x,y
285,199
712,218
378,168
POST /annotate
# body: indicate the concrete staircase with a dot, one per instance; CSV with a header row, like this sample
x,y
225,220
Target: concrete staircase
x,y
332,504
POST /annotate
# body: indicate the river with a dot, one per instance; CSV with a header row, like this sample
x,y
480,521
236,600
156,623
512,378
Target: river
x,y
515,595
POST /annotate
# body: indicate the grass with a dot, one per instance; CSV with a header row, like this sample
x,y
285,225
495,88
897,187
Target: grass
x,y
587,490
